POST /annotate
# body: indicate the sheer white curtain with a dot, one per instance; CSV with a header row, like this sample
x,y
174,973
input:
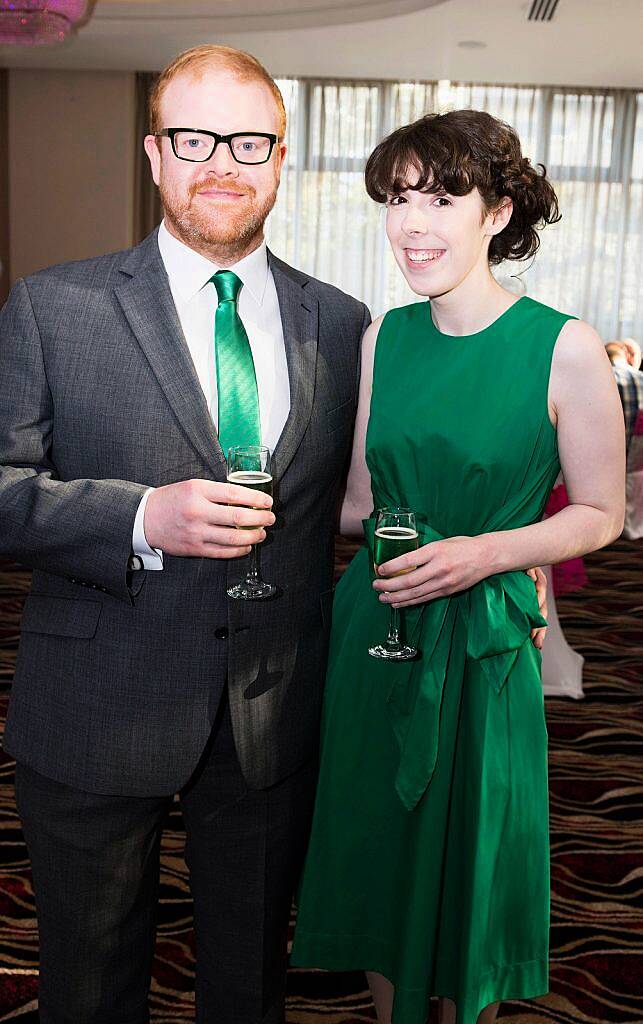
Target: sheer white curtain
x,y
324,222
590,140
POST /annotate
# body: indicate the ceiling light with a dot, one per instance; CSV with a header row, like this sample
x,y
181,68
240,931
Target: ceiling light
x,y
34,22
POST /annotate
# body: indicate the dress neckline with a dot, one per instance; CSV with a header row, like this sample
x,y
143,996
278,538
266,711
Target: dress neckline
x,y
477,334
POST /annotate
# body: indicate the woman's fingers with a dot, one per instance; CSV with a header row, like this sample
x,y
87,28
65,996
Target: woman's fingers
x,y
407,581
408,563
425,591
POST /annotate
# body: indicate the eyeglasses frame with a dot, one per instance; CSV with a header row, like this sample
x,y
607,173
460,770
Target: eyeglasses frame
x,y
170,134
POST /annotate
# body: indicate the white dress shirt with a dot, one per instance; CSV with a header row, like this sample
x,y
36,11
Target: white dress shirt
x,y
196,301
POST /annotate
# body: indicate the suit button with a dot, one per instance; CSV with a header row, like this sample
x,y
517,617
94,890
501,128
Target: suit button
x,y
221,633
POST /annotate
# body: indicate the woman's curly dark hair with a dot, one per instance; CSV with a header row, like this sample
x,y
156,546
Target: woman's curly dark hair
x,y
457,152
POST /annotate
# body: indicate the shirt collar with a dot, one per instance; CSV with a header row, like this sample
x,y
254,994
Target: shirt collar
x,y
189,271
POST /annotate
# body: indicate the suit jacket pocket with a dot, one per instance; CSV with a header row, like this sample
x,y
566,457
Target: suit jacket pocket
x,y
60,616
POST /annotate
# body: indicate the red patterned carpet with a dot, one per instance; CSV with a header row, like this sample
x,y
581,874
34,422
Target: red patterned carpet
x,y
596,770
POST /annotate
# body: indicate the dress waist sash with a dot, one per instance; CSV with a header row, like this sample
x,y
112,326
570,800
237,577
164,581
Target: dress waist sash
x,y
498,614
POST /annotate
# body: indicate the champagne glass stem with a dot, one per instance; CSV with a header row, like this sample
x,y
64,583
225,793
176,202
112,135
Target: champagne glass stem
x,y
393,638
252,575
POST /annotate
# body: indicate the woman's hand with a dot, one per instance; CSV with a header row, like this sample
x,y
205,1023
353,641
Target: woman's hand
x,y
445,567
437,569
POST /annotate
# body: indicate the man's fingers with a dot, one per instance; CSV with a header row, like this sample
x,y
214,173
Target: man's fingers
x,y
236,516
538,637
226,538
214,551
541,591
235,494
224,494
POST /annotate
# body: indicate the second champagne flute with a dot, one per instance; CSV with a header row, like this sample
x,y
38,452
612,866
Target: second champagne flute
x,y
395,534
249,466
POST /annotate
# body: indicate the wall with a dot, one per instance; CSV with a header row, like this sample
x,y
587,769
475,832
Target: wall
x,y
71,165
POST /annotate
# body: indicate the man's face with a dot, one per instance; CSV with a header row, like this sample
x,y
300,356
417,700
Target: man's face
x,y
217,207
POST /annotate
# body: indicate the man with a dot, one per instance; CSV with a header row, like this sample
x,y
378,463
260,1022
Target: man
x,y
137,677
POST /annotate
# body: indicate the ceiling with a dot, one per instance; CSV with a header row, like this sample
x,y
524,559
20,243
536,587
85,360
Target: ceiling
x,y
589,42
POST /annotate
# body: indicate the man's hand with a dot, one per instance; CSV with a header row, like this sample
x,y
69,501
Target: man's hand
x,y
206,519
539,578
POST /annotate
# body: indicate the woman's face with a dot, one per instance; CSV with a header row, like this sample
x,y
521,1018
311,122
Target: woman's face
x,y
437,240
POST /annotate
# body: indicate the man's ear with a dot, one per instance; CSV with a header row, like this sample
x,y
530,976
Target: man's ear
x,y
154,155
500,217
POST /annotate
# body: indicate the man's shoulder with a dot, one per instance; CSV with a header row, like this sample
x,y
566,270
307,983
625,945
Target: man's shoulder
x,y
93,271
328,295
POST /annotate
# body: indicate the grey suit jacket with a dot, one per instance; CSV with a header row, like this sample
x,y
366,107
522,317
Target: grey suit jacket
x,y
119,674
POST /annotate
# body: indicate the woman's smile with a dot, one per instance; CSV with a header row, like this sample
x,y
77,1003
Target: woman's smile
x,y
419,259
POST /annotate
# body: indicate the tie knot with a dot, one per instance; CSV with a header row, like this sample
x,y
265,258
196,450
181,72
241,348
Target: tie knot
x,y
228,285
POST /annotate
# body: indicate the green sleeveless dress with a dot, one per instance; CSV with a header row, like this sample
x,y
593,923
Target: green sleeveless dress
x,y
429,854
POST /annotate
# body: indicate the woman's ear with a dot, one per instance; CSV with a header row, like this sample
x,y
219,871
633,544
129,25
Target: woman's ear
x,y
500,217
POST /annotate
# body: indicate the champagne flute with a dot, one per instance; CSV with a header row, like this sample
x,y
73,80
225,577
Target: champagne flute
x,y
249,466
395,534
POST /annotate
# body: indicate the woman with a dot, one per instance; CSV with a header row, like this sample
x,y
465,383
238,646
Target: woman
x,y
429,860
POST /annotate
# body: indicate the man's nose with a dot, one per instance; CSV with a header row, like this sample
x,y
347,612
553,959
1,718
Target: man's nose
x,y
222,161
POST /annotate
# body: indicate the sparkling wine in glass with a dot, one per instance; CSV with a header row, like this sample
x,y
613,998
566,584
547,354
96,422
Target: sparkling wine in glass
x,y
395,534
249,466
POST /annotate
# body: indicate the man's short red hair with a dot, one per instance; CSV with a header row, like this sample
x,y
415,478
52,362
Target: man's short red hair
x,y
209,57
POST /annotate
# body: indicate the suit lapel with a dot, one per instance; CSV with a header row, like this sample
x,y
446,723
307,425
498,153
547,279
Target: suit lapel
x,y
146,301
300,322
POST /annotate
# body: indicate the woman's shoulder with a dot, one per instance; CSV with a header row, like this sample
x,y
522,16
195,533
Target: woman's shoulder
x,y
578,343
393,321
541,313
401,318
572,335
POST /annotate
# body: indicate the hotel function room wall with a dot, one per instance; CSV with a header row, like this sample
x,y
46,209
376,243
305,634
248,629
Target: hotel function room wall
x,y
71,165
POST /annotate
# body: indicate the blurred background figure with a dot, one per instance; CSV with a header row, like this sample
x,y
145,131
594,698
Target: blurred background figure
x,y
626,352
625,357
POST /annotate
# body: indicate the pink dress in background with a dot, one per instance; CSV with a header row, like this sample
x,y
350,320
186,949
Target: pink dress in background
x,y
566,576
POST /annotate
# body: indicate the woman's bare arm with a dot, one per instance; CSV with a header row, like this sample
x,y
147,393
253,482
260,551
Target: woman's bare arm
x,y
358,499
587,413
588,416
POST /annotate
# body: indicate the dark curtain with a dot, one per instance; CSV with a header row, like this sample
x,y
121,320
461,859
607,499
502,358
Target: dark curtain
x,y
147,203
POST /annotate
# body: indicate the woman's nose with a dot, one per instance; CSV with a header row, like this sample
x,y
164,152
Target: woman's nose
x,y
415,223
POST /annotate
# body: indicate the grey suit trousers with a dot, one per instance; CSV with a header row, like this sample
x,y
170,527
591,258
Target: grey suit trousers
x,y
95,862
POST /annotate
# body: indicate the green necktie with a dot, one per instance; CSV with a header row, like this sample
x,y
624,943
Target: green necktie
x,y
239,422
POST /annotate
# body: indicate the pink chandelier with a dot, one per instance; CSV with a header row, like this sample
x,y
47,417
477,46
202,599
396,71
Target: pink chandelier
x,y
33,22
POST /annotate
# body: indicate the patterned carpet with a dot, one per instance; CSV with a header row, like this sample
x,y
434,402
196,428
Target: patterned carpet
x,y
596,767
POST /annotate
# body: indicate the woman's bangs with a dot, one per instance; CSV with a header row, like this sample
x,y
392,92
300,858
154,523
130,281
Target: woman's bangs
x,y
418,160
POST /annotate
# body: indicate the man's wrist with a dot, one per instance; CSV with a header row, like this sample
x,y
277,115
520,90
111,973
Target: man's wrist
x,y
143,556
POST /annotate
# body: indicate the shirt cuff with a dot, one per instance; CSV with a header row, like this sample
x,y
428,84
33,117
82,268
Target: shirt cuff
x,y
152,558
